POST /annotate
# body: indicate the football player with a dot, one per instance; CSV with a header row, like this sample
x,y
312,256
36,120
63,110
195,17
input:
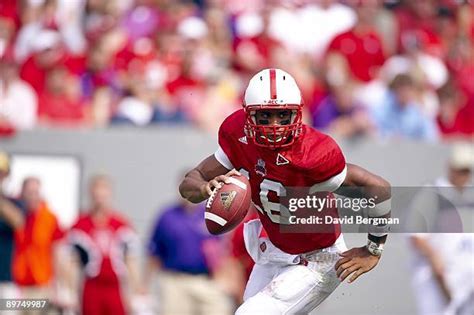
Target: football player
x,y
267,142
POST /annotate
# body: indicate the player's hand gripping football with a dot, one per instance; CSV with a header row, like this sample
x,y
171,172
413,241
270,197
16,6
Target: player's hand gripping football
x,y
217,182
355,261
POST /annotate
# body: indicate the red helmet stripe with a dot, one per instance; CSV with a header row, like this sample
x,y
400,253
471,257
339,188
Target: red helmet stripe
x,y
273,89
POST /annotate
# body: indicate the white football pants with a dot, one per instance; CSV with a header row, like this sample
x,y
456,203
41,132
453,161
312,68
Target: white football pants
x,y
280,284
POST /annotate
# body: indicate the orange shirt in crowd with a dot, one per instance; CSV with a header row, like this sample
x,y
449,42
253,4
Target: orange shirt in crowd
x,y
33,255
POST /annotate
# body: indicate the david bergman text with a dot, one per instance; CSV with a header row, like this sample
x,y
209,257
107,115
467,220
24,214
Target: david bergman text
x,y
347,220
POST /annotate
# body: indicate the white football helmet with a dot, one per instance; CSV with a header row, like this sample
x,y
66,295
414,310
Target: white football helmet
x,y
273,89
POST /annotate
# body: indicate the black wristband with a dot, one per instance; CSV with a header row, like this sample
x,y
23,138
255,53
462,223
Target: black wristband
x,y
377,239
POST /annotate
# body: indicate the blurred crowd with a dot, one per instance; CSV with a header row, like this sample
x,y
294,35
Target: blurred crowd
x,y
399,69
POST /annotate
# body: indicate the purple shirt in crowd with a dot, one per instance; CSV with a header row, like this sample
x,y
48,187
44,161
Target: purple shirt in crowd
x,y
179,240
326,112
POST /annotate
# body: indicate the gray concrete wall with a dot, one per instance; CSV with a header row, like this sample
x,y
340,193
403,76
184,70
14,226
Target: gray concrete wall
x,y
146,163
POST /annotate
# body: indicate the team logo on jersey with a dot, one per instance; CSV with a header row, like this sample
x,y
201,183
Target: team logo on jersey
x,y
243,140
263,247
227,197
281,160
260,168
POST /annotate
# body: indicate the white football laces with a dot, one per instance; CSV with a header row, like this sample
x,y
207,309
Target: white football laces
x,y
212,196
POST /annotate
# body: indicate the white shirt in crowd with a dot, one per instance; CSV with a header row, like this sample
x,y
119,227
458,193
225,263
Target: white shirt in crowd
x,y
311,28
18,104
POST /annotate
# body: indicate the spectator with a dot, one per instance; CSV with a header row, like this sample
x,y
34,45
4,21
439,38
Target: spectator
x,y
442,262
36,245
137,108
454,120
179,249
400,116
358,53
418,18
195,66
141,20
428,72
147,101
221,100
59,103
106,249
62,15
99,71
316,24
100,83
387,26
186,88
48,53
7,25
11,218
340,114
460,58
18,101
219,36
252,43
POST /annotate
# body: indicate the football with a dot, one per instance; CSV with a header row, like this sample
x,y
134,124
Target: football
x,y
228,205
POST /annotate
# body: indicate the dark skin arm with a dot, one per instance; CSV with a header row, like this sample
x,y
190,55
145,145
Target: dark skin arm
x,y
369,184
201,180
358,260
10,213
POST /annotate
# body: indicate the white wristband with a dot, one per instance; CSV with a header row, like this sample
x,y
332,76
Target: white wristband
x,y
374,248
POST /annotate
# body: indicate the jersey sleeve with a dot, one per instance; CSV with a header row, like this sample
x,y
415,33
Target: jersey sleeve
x,y
229,133
127,236
329,169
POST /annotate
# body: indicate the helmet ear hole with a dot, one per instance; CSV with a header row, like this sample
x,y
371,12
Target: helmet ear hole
x,y
294,113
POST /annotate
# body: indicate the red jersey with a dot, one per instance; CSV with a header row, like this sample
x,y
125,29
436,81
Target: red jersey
x,y
313,160
102,249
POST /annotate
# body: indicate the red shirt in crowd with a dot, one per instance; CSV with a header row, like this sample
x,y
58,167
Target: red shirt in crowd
x,y
35,74
463,123
363,52
60,108
423,28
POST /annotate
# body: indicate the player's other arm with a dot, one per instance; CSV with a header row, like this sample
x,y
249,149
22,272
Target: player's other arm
x,y
372,185
198,183
361,183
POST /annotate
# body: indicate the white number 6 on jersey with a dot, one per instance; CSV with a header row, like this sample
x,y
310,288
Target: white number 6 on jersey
x,y
280,214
